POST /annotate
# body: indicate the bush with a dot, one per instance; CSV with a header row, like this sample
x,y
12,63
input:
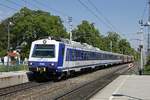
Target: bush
x,y
13,68
148,60
147,69
2,53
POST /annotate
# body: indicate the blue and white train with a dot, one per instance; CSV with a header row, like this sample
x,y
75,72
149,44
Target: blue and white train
x,y
59,58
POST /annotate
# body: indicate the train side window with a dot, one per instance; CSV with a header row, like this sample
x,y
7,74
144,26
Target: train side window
x,y
84,53
63,49
105,56
77,55
72,55
81,55
67,55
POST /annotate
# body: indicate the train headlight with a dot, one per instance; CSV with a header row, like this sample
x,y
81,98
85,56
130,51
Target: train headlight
x,y
52,64
30,63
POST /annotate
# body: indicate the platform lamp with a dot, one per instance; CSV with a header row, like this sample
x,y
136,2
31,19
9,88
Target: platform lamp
x,y
8,40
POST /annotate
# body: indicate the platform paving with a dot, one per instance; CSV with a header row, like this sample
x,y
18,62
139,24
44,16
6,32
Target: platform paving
x,y
13,78
126,87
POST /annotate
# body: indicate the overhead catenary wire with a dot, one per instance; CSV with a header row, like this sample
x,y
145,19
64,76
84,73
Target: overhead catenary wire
x,y
92,12
101,14
36,2
53,9
44,5
108,24
11,1
64,16
25,1
144,11
3,5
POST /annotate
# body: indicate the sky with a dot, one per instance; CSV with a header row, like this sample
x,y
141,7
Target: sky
x,y
113,15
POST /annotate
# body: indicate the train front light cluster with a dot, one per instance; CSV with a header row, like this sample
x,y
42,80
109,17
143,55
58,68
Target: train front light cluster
x,y
30,63
41,69
52,64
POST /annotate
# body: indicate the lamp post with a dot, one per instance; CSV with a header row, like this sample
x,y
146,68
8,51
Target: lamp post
x,y
141,51
8,41
147,24
70,24
111,46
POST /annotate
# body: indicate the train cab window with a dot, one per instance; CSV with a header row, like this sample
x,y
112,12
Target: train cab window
x,y
46,51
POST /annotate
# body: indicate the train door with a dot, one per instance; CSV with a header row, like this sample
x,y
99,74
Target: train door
x,y
61,55
68,61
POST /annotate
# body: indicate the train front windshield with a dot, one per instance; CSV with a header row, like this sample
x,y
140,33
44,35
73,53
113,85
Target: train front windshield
x,y
44,51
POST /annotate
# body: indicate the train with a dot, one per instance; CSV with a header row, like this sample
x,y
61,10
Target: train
x,y
59,58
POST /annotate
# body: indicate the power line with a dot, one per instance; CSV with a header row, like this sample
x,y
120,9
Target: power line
x,y
94,14
30,4
44,5
25,3
100,13
14,3
8,7
66,16
144,11
107,23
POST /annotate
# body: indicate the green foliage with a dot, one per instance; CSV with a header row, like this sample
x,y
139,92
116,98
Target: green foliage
x,y
3,38
29,25
148,60
147,70
2,52
124,46
12,68
113,38
87,33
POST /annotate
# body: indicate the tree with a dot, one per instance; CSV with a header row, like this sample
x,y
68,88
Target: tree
x,y
3,38
87,33
30,25
124,46
111,41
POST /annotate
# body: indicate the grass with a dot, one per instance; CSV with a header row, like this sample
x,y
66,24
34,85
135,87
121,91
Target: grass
x,y
13,68
147,70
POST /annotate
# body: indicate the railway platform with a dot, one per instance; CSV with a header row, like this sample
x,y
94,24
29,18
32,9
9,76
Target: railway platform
x,y
126,87
13,78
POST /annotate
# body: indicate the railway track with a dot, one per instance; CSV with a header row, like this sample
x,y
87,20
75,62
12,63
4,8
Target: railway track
x,y
4,92
64,90
86,91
